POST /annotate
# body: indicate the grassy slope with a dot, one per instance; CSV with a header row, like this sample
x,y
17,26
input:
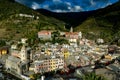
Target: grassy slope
x,y
105,21
12,26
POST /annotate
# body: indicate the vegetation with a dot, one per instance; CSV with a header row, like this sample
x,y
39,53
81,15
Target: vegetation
x,y
93,76
102,23
2,43
56,38
14,26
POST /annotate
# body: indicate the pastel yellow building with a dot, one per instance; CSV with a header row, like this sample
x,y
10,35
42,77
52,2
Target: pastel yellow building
x,y
53,64
66,54
4,52
108,57
47,52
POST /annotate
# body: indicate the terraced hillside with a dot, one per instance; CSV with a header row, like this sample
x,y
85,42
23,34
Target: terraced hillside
x,y
18,21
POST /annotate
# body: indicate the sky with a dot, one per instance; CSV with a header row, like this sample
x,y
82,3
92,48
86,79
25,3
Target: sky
x,y
67,5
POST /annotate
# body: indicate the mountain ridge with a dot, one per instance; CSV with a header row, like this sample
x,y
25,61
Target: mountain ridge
x,y
15,26
76,18
66,17
104,22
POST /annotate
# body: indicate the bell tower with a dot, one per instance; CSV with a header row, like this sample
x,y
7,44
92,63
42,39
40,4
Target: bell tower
x,y
71,29
23,54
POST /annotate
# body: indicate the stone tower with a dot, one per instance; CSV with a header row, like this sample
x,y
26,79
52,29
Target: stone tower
x,y
71,29
23,54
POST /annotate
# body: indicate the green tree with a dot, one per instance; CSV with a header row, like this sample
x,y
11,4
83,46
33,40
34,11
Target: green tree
x,y
55,36
93,76
2,43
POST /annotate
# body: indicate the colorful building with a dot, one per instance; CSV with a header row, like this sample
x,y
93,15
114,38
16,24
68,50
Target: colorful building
x,y
72,36
44,34
48,65
4,50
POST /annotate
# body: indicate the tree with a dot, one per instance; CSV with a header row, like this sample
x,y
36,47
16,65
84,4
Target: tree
x,y
55,36
2,43
93,76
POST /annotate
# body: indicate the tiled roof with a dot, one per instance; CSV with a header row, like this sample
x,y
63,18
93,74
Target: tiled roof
x,y
13,59
71,33
44,32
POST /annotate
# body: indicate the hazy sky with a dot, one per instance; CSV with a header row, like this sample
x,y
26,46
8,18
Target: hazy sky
x,y
67,5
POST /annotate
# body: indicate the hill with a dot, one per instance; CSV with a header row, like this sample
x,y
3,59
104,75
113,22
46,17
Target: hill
x,y
18,21
70,18
104,22
101,23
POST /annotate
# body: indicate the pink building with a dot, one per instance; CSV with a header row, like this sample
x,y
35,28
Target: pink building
x,y
44,34
72,36
48,65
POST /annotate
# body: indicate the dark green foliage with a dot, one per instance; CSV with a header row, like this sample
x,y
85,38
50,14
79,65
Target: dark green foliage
x,y
2,43
55,36
16,27
104,23
57,39
93,76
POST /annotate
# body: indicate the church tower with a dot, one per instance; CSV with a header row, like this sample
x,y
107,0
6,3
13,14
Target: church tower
x,y
71,29
23,54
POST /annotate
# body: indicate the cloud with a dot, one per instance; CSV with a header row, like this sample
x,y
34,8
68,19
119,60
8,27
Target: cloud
x,y
35,5
46,6
57,1
61,6
92,2
77,8
101,0
67,5
29,1
109,3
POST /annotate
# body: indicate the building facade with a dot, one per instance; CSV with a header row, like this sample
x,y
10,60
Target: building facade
x,y
44,34
4,50
12,65
72,36
17,64
48,65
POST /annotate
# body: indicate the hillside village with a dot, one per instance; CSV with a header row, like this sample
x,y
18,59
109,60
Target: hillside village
x,y
25,61
38,47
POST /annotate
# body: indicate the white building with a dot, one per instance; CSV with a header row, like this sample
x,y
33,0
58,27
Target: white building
x,y
44,34
48,65
23,54
100,40
23,40
17,65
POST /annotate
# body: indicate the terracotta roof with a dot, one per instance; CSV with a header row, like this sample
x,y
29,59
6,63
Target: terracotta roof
x,y
44,32
71,33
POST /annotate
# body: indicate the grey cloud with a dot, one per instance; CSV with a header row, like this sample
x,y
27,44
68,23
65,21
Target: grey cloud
x,y
87,3
29,2
58,6
101,0
65,7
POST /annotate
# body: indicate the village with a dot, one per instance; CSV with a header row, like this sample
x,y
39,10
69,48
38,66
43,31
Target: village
x,y
74,56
